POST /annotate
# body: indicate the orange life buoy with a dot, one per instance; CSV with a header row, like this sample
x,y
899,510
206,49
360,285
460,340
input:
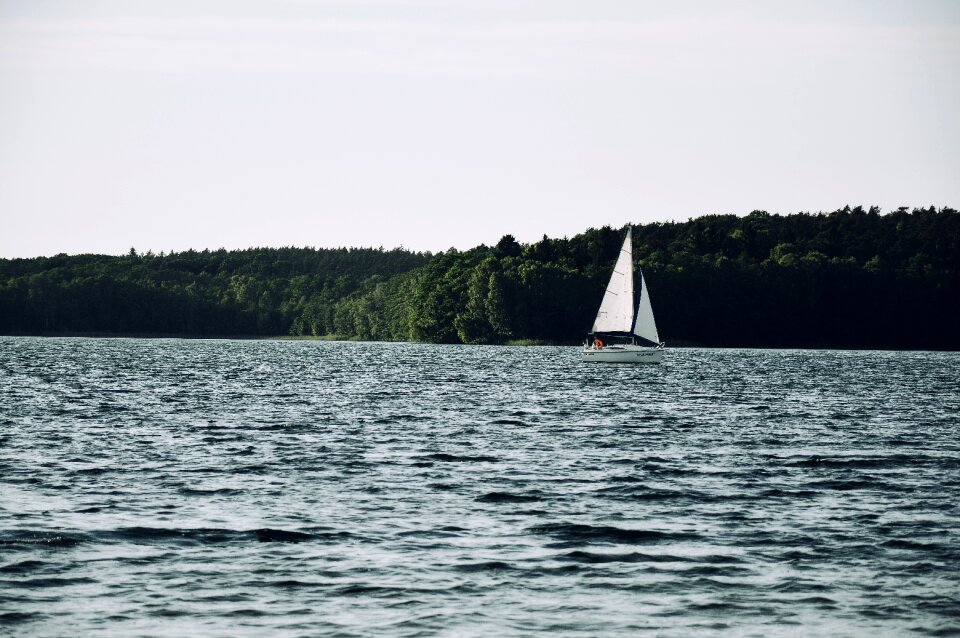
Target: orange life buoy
x,y
598,344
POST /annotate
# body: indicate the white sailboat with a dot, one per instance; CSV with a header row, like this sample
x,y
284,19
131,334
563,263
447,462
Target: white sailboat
x,y
621,334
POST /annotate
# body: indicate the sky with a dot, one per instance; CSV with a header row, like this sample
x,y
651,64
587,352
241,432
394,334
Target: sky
x,y
168,124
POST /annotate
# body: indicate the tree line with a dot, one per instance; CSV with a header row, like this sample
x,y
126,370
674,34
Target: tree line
x,y
850,278
259,291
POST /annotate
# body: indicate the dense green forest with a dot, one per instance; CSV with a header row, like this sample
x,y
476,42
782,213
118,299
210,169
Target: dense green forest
x,y
259,291
851,278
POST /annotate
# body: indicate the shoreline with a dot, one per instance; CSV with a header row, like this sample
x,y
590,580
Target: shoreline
x,y
674,345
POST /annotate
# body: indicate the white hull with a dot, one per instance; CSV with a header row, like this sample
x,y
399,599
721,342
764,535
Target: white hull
x,y
622,354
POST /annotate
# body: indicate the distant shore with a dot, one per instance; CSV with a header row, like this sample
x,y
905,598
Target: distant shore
x,y
147,335
673,344
135,335
163,335
853,278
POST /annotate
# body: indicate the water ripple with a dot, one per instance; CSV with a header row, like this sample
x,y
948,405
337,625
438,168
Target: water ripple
x,y
167,487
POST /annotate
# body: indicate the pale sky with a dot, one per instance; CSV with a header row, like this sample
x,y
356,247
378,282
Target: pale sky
x,y
168,124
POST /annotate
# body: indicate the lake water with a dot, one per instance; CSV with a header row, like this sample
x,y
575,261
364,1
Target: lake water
x,y
168,487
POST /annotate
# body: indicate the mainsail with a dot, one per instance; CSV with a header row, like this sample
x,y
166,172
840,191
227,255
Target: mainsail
x,y
616,309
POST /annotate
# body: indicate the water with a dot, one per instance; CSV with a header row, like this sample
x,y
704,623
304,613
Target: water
x,y
164,487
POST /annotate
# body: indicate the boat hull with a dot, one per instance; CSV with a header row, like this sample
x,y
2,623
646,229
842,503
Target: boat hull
x,y
621,354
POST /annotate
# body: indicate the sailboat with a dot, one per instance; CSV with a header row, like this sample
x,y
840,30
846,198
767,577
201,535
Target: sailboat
x,y
622,332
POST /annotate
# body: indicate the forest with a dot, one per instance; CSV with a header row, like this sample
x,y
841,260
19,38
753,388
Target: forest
x,y
852,278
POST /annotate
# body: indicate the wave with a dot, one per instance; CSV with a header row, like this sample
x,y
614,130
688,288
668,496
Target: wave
x,y
223,491
461,458
776,492
214,536
579,533
488,566
267,535
506,497
582,556
797,585
244,613
385,591
437,532
903,543
38,583
844,485
198,535
94,471
868,462
16,617
288,584
23,567
644,493
43,539
591,558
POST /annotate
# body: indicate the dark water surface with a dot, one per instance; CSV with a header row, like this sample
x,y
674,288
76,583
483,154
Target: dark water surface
x,y
165,487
